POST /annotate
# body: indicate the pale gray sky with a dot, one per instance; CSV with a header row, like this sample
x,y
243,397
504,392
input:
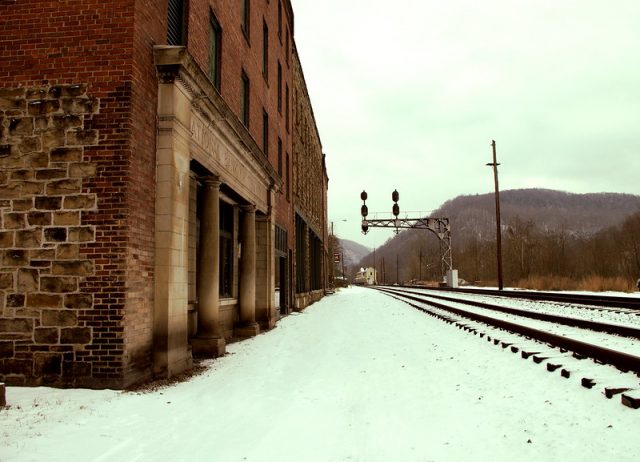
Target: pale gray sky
x,y
408,94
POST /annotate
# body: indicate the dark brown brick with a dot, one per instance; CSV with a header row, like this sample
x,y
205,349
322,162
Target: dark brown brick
x,y
15,220
66,121
6,350
16,325
15,300
51,174
39,218
17,366
22,175
55,234
41,106
14,257
48,203
76,369
58,285
78,301
38,300
66,155
75,335
21,126
59,318
46,335
47,364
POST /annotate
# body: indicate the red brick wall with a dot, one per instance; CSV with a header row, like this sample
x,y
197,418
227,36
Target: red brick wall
x,y
239,54
45,43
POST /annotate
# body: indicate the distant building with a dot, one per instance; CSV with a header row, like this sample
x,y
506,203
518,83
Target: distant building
x,y
147,200
366,276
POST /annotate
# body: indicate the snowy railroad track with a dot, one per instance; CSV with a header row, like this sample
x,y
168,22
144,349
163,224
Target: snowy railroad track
x,y
597,302
562,343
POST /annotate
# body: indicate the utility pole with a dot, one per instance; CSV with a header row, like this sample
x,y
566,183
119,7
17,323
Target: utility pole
x,y
384,280
498,227
420,267
397,279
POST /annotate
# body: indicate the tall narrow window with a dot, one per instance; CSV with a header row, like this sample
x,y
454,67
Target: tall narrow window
x,y
265,50
215,51
244,100
286,46
280,157
265,132
246,18
176,25
287,176
279,88
226,249
280,20
286,107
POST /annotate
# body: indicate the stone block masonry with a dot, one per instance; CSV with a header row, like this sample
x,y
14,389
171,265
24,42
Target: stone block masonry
x,y
46,328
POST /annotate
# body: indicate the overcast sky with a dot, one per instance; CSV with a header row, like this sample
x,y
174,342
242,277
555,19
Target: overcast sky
x,y
408,94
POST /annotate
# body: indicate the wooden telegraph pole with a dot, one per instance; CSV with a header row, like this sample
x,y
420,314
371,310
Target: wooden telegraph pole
x,y
498,230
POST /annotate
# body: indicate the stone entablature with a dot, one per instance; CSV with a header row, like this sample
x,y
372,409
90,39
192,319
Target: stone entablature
x,y
43,133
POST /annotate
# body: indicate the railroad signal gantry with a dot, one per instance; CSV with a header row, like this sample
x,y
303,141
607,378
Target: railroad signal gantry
x,y
438,226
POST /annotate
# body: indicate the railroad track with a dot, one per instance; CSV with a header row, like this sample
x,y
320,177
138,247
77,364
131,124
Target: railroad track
x,y
599,301
568,353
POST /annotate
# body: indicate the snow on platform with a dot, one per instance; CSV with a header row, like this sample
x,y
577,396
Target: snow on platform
x,y
358,376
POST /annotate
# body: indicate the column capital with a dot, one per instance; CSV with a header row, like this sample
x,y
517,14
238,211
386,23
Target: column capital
x,y
248,208
211,181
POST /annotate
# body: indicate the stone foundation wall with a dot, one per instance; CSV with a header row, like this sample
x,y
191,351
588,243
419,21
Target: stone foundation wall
x,y
45,322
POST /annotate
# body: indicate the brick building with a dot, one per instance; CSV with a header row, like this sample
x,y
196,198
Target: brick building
x,y
148,203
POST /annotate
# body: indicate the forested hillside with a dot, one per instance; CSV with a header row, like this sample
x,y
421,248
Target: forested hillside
x,y
548,237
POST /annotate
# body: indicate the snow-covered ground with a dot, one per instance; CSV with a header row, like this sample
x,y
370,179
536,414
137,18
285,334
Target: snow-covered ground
x,y
358,376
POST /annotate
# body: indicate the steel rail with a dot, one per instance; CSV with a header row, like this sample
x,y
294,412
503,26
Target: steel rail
x,y
622,361
609,301
615,329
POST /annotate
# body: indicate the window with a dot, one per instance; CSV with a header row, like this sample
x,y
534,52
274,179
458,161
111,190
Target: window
x,y
176,25
246,18
244,100
286,46
265,50
280,20
287,176
265,132
226,249
215,51
280,157
279,88
286,112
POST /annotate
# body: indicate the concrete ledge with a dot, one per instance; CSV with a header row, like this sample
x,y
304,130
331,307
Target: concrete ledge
x,y
208,347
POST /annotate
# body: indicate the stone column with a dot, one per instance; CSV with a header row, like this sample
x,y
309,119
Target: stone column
x,y
248,326
208,341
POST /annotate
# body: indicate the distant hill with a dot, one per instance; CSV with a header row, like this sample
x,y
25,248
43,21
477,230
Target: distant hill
x,y
539,227
582,214
353,252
